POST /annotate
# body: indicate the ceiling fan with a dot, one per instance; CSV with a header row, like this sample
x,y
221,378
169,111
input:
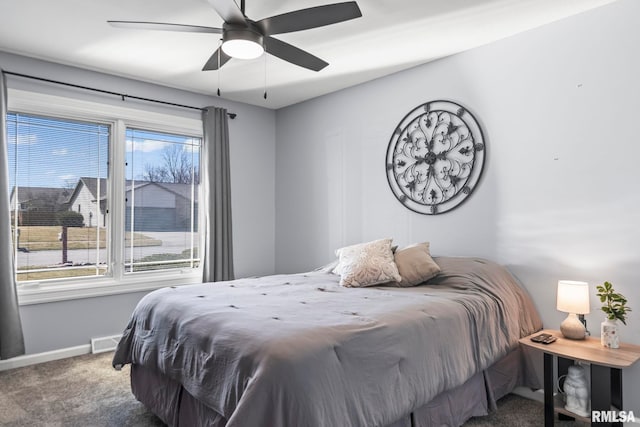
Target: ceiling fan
x,y
244,38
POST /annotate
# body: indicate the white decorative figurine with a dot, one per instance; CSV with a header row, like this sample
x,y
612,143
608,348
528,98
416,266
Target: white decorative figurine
x,y
576,391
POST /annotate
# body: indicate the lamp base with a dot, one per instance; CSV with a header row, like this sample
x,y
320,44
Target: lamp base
x,y
572,328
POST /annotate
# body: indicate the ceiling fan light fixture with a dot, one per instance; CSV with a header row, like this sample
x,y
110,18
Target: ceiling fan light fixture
x,y
242,43
244,38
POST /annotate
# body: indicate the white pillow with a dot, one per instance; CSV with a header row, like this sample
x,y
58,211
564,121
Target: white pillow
x,y
367,264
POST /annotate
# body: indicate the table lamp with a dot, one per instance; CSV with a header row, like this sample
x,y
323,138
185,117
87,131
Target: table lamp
x,y
573,298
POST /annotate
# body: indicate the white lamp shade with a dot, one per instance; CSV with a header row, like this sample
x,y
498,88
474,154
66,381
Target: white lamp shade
x,y
573,297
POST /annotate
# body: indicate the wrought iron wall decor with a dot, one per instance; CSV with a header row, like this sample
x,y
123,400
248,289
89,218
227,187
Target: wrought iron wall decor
x,y
435,157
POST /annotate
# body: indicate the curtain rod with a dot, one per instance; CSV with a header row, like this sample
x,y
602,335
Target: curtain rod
x,y
108,92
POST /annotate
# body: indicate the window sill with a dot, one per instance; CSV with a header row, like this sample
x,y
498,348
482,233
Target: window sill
x,y
43,293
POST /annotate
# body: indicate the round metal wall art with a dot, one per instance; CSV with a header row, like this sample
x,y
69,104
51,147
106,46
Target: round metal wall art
x,y
435,157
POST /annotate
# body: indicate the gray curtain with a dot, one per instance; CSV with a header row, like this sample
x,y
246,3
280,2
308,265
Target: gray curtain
x,y
11,339
218,247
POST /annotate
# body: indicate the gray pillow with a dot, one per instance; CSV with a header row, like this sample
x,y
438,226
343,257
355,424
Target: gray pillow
x,y
415,264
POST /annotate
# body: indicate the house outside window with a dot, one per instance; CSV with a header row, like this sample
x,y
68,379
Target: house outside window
x,y
134,184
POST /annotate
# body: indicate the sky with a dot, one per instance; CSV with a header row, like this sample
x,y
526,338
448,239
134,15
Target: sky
x,y
47,152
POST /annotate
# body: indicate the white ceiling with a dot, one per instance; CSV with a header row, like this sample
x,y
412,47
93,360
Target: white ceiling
x,y
390,36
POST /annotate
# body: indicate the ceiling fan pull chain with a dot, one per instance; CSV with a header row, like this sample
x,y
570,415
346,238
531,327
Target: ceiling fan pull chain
x,y
219,69
265,76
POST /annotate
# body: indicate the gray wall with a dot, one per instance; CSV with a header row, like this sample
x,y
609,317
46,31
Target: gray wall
x,y
559,197
252,137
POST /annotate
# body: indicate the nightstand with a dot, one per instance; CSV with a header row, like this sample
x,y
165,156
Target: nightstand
x,y
606,372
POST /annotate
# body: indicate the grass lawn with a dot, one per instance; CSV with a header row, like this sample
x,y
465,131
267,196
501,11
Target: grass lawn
x,y
92,271
36,238
53,274
46,238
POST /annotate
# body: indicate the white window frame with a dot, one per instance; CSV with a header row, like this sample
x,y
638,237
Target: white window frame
x,y
119,118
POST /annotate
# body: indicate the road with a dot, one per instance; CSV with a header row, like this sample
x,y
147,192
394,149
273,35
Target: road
x,y
172,243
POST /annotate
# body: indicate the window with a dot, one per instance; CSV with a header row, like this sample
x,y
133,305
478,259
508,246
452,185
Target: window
x,y
161,200
102,196
52,164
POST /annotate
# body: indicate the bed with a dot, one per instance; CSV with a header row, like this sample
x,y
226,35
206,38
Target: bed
x,y
301,350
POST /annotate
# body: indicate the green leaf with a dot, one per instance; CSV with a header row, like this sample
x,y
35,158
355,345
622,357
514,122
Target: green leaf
x,y
614,303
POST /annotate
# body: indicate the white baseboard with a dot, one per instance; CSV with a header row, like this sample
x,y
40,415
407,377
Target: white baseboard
x,y
47,356
527,393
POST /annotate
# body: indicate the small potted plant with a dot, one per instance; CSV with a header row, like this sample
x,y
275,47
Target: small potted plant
x,y
615,308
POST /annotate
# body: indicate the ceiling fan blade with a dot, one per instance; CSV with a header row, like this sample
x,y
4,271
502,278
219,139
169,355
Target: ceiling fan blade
x,y
228,11
212,63
312,17
163,26
292,54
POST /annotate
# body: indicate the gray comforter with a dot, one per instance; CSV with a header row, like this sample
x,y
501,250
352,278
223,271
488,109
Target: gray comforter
x,y
299,350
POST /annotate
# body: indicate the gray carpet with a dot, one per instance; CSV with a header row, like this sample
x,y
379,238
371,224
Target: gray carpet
x,y
80,391
85,391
